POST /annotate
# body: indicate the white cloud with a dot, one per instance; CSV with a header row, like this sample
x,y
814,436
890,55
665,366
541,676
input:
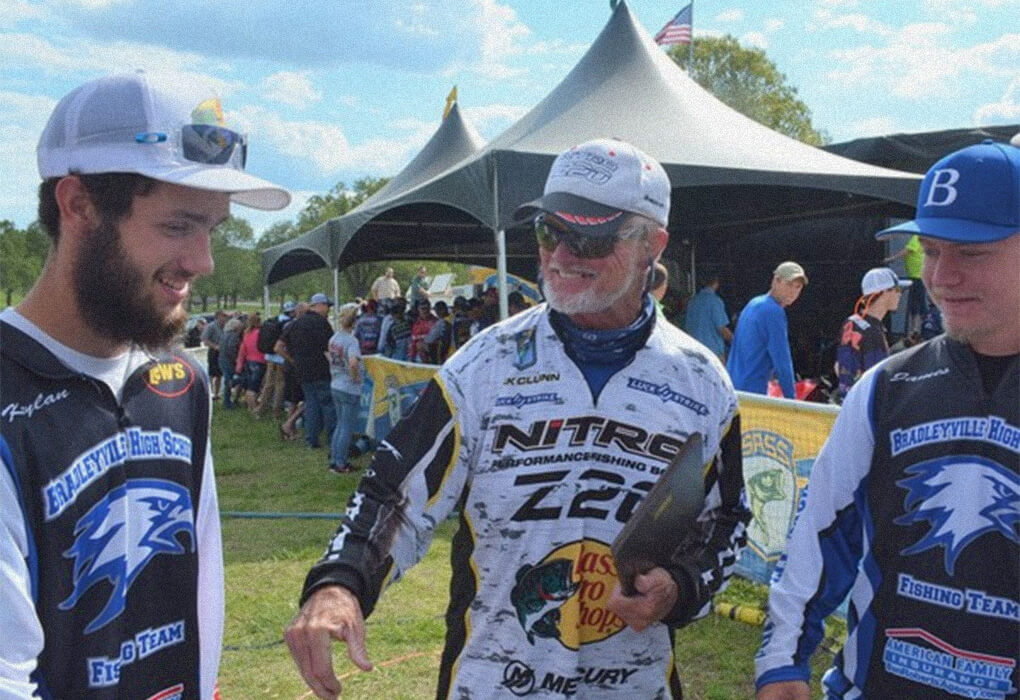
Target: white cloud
x,y
89,58
1006,110
773,25
873,126
15,11
838,3
732,15
754,39
920,62
291,88
859,22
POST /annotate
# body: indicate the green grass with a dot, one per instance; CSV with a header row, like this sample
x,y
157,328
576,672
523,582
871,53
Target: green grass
x,y
266,562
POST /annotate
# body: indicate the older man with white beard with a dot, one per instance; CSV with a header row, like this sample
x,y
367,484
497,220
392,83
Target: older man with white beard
x,y
546,430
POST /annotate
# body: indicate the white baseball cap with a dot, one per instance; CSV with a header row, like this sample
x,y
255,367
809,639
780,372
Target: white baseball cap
x,y
141,123
592,185
879,279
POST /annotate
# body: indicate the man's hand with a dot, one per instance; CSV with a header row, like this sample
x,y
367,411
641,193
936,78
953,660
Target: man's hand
x,y
656,595
332,612
785,690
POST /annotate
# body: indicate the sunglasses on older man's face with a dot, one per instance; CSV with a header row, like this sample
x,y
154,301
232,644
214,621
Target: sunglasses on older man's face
x,y
550,232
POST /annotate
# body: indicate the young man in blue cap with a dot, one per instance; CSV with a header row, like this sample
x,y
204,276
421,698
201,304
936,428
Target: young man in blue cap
x,y
111,572
914,501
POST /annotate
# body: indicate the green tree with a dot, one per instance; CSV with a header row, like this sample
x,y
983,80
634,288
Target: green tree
x,y
749,82
22,254
237,271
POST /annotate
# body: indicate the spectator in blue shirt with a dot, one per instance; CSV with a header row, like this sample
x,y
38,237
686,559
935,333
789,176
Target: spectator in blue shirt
x,y
706,320
761,344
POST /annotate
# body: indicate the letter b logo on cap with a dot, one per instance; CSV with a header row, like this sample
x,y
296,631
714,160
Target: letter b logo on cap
x,y
942,193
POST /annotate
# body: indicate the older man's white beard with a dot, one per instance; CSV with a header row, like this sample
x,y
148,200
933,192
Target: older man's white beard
x,y
590,301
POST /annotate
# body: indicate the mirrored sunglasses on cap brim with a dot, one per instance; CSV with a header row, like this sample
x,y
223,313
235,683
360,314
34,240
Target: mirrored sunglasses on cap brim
x,y
205,143
549,233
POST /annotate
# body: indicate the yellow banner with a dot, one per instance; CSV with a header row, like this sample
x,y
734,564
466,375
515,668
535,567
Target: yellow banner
x,y
395,388
781,439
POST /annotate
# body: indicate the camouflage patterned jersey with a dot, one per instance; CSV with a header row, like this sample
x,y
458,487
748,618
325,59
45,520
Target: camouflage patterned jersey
x,y
545,476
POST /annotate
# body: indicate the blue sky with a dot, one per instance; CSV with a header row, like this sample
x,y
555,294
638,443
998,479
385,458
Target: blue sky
x,y
333,91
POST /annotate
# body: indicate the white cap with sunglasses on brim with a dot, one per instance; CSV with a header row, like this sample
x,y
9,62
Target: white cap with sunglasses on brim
x,y
140,123
593,185
879,279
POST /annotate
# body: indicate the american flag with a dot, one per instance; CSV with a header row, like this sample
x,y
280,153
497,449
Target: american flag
x,y
677,30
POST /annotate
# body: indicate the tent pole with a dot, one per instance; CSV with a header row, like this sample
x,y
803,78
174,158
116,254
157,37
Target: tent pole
x,y
336,294
504,307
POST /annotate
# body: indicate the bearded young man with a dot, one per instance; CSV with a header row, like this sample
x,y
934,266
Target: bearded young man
x,y
109,529
546,431
914,500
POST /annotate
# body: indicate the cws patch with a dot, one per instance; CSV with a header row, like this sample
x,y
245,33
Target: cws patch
x,y
169,378
563,597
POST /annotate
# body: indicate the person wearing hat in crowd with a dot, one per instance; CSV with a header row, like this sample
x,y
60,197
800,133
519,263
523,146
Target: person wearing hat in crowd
x,y
110,548
345,386
545,431
913,503
305,343
761,343
862,343
272,393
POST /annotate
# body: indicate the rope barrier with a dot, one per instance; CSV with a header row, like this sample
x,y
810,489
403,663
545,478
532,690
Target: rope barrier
x,y
279,516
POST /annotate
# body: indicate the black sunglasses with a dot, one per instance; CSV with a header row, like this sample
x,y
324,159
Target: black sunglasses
x,y
549,233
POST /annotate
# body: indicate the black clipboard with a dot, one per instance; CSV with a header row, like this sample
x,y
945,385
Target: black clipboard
x,y
666,517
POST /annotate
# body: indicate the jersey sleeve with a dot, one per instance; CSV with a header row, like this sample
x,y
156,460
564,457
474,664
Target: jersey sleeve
x,y
702,565
19,650
210,580
825,545
413,483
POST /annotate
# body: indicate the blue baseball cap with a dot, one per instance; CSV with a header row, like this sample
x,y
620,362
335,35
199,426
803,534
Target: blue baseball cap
x,y
320,298
288,307
970,196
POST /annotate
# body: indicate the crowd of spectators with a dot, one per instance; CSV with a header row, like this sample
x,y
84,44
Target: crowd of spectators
x,y
308,377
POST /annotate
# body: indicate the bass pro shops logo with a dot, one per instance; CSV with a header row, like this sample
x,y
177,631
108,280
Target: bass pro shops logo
x,y
169,379
563,597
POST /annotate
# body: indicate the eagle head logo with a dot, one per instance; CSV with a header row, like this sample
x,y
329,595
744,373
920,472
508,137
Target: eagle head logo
x,y
961,497
121,534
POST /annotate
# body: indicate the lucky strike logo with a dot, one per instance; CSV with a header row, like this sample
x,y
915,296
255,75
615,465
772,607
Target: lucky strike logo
x,y
169,379
564,596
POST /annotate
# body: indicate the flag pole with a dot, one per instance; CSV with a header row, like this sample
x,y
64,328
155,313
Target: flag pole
x,y
690,47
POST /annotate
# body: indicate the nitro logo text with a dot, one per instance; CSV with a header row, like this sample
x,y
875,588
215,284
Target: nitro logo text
x,y
587,430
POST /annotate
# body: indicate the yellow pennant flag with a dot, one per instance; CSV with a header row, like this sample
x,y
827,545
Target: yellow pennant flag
x,y
450,99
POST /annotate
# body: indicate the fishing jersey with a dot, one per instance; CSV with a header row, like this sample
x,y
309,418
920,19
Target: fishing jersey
x,y
109,530
862,345
913,508
544,477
